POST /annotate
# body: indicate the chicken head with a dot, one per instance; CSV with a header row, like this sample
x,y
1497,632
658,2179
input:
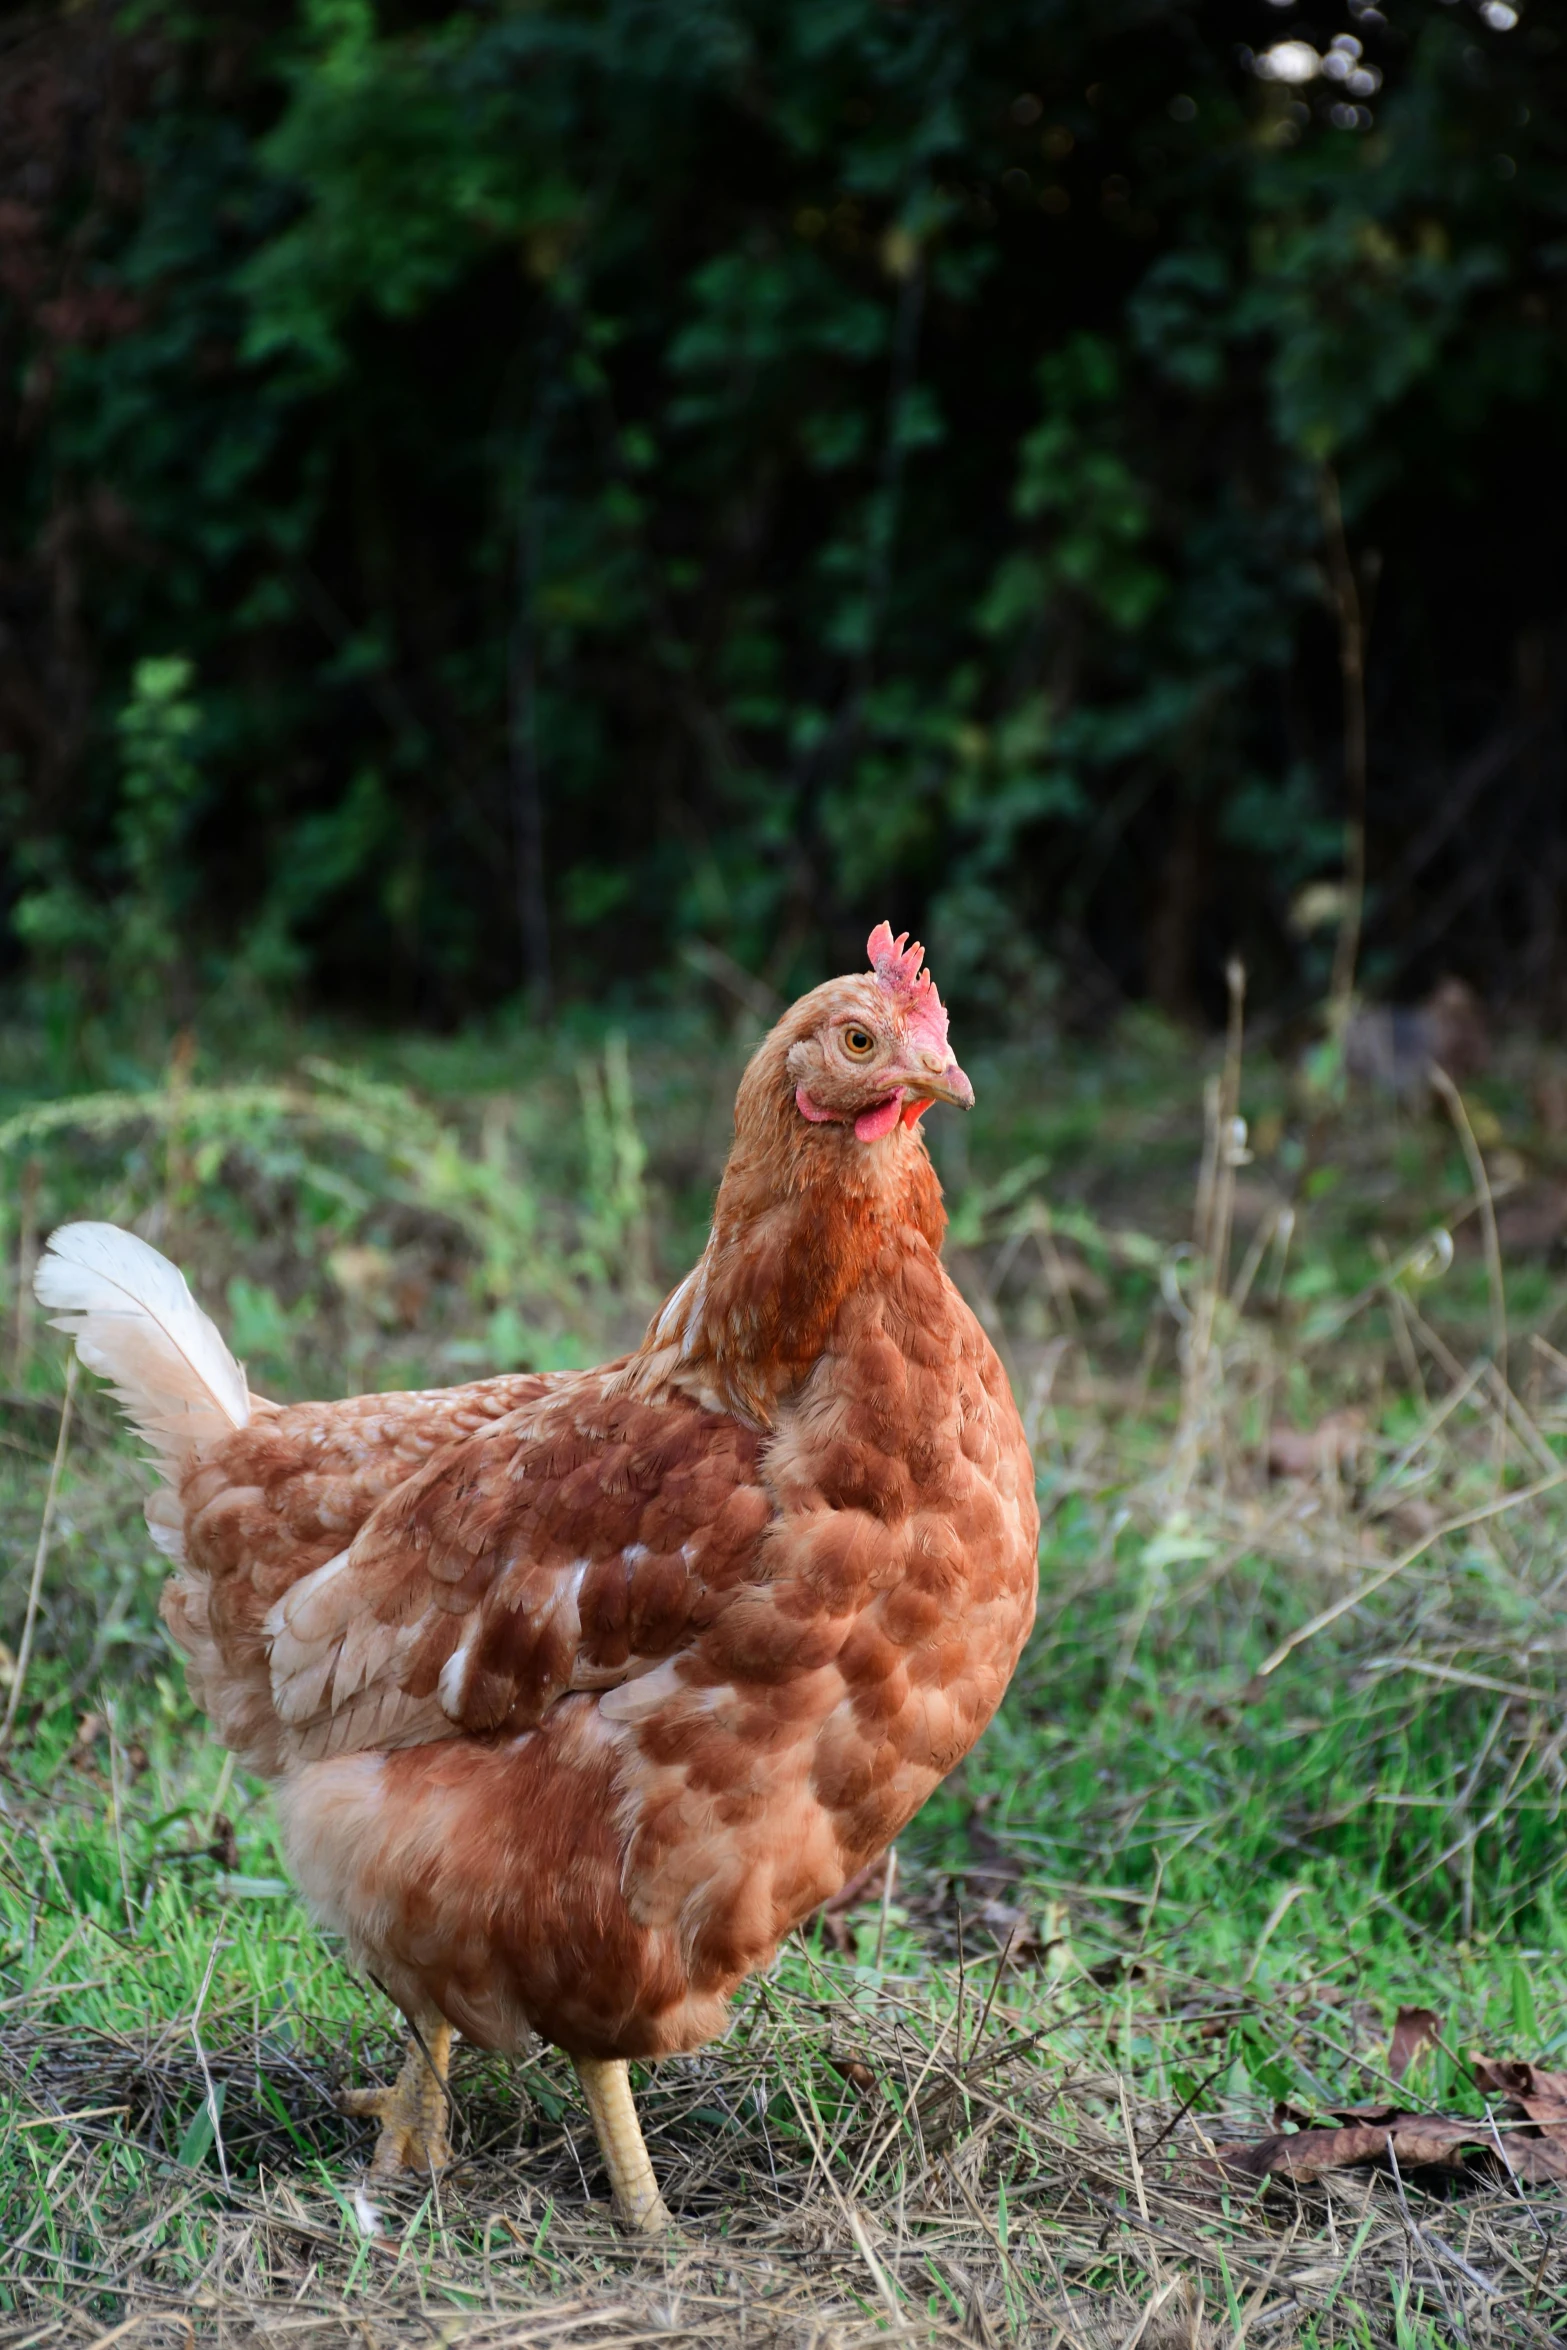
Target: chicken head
x,y
867,1053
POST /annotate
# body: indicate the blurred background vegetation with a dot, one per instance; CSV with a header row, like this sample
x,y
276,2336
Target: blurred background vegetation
x,y
507,497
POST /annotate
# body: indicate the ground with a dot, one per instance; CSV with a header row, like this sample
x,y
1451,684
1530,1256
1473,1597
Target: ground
x,y
1258,1784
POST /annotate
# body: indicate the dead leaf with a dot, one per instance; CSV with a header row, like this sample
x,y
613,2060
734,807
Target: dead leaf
x,y
1334,1444
1414,2028
1541,2095
1531,2140
1421,2141
854,2070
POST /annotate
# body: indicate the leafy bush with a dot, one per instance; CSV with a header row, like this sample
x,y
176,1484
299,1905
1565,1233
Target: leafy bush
x,y
628,474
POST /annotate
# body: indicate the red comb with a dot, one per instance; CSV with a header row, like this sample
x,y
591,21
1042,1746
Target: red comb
x,y
897,965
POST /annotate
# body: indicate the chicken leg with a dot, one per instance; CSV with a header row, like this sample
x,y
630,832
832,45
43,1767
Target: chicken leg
x,y
606,2084
412,2113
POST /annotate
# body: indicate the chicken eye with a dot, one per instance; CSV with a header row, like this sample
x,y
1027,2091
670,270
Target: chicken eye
x,y
858,1043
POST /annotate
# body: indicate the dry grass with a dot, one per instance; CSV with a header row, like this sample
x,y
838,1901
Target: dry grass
x,y
998,2178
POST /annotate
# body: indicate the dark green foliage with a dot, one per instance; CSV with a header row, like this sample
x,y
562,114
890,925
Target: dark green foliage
x,y
661,469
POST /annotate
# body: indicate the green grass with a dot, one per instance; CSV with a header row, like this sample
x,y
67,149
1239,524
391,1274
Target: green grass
x,y
1233,1878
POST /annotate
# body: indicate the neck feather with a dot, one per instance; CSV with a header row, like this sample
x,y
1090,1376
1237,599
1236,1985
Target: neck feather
x,y
805,1216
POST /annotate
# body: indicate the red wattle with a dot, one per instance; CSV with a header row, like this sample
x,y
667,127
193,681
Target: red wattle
x,y
914,1111
813,1110
871,1125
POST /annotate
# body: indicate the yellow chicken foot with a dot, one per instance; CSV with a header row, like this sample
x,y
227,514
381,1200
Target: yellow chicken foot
x,y
606,2084
412,2113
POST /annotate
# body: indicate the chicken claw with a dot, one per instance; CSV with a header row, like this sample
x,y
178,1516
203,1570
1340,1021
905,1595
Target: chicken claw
x,y
412,2113
606,2084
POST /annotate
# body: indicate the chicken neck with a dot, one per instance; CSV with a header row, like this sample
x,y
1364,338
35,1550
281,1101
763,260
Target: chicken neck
x,y
805,1216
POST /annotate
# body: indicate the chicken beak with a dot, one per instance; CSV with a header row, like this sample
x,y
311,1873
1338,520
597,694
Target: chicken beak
x,y
949,1086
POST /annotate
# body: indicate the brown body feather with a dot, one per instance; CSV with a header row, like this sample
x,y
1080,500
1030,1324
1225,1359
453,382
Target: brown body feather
x,y
581,1691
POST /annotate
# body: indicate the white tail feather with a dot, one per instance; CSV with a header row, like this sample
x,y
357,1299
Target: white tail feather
x,y
136,1324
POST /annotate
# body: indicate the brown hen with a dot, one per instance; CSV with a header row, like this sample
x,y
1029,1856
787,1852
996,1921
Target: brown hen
x,y
580,1691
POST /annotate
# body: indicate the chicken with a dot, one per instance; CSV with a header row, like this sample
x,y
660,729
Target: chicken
x,y
579,1691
